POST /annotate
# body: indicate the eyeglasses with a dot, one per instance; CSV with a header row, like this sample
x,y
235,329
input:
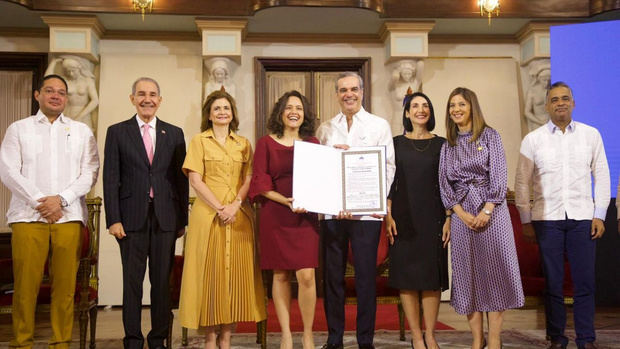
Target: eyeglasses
x,y
51,91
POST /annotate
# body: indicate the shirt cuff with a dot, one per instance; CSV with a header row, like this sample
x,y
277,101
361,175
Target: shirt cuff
x,y
35,200
526,216
68,195
600,213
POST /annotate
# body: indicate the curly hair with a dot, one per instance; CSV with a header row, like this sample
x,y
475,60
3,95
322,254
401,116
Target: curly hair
x,y
275,124
206,110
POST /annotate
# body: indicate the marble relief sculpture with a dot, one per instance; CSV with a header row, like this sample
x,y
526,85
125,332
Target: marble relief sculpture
x,y
219,76
540,75
82,93
407,75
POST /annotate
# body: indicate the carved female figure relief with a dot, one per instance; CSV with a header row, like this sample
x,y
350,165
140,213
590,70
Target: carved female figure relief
x,y
82,93
407,75
535,113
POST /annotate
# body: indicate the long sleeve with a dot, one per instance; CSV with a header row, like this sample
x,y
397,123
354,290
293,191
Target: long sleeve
x,y
498,172
111,178
261,179
394,185
600,173
11,166
448,195
387,140
89,169
523,181
182,183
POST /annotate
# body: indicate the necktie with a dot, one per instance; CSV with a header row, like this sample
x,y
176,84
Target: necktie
x,y
148,145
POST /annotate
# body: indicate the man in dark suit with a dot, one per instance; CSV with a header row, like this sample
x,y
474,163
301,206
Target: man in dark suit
x,y
146,201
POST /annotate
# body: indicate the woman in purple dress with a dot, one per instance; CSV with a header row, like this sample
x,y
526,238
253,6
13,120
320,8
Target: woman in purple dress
x,y
473,184
288,235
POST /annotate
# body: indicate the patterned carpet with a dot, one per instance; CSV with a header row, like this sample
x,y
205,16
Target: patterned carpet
x,y
513,339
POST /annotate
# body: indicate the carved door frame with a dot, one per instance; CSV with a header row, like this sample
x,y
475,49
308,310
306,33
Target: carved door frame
x,y
21,61
262,65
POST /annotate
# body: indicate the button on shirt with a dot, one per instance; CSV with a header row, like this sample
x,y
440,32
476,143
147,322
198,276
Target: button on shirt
x,y
559,167
39,159
366,130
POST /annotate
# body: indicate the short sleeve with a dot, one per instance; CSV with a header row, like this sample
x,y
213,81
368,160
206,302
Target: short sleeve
x,y
261,179
195,155
247,165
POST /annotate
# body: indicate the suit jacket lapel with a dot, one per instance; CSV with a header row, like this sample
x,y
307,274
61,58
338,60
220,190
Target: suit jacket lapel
x,y
133,130
161,141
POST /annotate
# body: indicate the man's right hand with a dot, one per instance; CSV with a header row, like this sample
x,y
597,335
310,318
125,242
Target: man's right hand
x,y
528,233
344,215
117,230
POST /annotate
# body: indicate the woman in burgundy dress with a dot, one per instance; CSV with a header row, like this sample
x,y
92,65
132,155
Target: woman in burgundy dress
x,y
288,235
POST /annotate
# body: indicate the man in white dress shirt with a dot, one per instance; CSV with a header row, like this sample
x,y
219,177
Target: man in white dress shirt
x,y
558,161
353,127
49,162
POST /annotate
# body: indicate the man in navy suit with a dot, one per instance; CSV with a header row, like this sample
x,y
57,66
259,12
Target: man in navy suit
x,y
146,201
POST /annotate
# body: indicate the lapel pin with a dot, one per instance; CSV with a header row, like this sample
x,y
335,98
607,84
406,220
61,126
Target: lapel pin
x,y
163,132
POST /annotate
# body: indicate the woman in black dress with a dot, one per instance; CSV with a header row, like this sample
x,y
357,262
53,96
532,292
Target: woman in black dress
x,y
417,224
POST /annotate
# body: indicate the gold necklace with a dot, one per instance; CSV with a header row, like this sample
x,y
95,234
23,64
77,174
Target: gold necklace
x,y
423,149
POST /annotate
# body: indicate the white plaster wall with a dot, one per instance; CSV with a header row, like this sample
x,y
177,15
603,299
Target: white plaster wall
x,y
491,70
494,80
177,66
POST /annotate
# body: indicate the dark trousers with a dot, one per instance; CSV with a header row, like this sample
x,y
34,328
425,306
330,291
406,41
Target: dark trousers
x,y
158,247
571,238
364,238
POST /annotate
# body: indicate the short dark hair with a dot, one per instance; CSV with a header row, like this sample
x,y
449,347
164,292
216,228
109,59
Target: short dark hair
x,y
430,125
556,85
275,124
52,76
206,110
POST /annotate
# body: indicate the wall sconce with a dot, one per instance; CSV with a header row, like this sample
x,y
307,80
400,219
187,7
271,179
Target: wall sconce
x,y
487,7
142,6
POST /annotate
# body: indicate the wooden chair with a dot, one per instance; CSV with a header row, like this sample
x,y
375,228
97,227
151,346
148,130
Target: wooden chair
x,y
87,286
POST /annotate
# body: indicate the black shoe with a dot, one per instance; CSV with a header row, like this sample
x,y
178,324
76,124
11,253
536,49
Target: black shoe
x,y
591,345
332,346
366,346
556,345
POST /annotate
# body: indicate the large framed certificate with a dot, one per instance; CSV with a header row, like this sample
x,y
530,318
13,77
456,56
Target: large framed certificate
x,y
329,180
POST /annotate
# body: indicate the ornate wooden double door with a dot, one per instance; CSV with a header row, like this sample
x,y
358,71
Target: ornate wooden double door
x,y
314,78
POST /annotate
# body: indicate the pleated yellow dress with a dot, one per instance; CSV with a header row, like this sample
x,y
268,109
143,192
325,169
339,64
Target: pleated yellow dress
x,y
221,281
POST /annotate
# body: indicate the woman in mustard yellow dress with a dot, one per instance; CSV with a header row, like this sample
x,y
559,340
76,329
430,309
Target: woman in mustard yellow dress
x,y
221,282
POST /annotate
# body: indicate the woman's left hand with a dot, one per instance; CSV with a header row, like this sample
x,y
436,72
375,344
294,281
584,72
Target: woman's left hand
x,y
481,220
228,212
445,236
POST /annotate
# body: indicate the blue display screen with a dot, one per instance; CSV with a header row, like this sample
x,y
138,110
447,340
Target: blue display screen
x,y
587,58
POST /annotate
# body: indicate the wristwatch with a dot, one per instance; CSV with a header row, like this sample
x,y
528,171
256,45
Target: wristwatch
x,y
63,202
486,212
